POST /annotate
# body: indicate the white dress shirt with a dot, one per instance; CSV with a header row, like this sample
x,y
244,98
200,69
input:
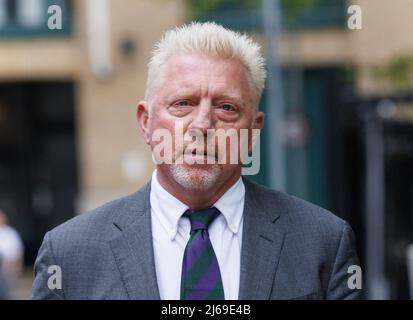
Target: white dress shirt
x,y
171,232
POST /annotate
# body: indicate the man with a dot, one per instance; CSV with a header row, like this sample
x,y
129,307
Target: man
x,y
4,284
11,257
198,230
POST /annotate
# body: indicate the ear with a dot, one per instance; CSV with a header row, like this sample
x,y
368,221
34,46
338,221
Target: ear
x,y
142,116
258,124
259,120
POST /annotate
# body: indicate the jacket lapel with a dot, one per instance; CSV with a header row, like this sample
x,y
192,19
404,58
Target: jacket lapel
x,y
261,247
133,248
262,243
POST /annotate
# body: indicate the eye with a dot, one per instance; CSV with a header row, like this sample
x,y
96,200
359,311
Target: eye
x,y
227,107
182,103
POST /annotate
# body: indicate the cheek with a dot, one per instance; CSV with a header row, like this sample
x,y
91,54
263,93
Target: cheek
x,y
244,122
159,119
162,131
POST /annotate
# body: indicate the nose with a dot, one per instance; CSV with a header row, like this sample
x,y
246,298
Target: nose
x,y
203,117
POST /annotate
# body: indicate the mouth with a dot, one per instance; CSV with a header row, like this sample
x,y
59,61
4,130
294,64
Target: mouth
x,y
204,153
201,154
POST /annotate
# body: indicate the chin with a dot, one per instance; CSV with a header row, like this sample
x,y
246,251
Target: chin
x,y
196,177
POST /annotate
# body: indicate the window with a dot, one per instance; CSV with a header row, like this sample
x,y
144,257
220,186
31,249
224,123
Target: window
x,y
30,13
27,18
246,14
3,13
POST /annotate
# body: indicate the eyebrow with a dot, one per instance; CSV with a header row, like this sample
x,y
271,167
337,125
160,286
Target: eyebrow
x,y
182,93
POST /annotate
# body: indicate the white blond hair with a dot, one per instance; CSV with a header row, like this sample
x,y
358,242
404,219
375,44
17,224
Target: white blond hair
x,y
212,39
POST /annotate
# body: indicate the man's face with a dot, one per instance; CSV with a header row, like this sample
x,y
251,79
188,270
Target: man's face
x,y
201,93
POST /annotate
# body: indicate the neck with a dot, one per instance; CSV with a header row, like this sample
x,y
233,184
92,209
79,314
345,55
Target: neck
x,y
197,199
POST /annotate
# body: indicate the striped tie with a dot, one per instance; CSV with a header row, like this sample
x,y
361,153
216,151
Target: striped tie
x,y
201,278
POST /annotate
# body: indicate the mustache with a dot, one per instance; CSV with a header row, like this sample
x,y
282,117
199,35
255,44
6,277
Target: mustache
x,y
207,145
204,144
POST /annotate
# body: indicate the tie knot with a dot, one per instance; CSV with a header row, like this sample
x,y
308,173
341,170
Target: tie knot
x,y
200,220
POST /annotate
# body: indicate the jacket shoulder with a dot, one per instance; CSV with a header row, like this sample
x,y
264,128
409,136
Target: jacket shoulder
x,y
296,214
100,223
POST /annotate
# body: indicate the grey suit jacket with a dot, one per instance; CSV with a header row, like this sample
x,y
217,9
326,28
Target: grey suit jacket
x,y
291,249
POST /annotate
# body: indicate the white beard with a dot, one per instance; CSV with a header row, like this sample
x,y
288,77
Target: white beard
x,y
195,178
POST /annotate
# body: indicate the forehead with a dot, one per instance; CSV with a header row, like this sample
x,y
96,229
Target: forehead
x,y
199,71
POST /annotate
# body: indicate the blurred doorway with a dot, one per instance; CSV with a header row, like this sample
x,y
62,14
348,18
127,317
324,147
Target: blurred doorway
x,y
38,161
374,140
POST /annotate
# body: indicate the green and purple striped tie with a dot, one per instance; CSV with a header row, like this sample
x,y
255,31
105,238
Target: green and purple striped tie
x,y
201,278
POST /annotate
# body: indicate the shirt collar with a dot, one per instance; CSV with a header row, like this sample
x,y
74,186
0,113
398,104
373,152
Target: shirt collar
x,y
231,205
170,209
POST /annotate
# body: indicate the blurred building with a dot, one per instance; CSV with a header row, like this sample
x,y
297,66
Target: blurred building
x,y
68,136
69,139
